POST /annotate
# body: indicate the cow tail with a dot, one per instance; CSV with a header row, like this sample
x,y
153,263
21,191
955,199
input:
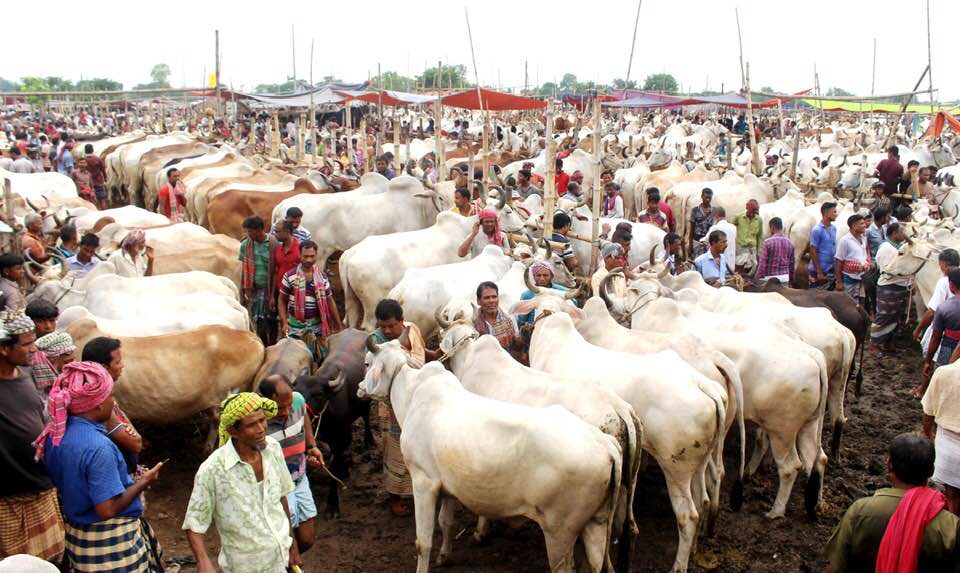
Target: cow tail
x,y
732,375
350,299
617,467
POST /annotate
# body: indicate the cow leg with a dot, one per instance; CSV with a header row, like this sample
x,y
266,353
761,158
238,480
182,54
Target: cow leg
x,y
560,545
761,446
785,454
688,519
425,509
595,537
814,464
367,433
447,508
483,528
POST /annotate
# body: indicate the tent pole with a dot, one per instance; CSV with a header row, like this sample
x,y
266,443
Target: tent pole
x,y
929,67
753,134
441,163
595,231
550,188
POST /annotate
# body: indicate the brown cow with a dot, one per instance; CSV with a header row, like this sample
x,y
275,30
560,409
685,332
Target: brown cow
x,y
227,210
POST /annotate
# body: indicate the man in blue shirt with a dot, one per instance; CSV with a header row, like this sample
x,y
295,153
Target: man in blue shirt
x,y
102,508
823,247
712,265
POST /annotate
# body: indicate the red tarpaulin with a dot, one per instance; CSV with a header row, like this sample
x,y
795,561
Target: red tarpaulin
x,y
492,101
941,120
580,102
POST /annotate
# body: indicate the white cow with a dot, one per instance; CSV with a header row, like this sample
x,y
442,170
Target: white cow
x,y
682,411
162,320
422,290
499,460
128,216
35,187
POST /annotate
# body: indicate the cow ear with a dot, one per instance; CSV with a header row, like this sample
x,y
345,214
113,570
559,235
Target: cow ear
x,y
376,373
523,307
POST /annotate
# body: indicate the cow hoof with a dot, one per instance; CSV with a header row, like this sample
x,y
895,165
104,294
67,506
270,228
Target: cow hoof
x,y
479,539
442,559
332,514
774,514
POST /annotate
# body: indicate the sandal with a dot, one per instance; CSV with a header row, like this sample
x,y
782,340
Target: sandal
x,y
400,508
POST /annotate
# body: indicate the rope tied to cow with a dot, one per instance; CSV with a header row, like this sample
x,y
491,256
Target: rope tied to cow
x,y
316,432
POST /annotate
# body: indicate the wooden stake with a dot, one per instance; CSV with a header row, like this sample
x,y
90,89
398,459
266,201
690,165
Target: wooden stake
x,y
633,45
796,152
595,231
550,188
755,152
486,154
929,68
439,154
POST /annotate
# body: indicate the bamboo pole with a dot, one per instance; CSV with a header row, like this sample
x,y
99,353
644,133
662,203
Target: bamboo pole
x,y
796,152
486,154
550,188
754,151
783,130
349,127
275,136
313,112
383,126
300,137
595,231
439,154
633,45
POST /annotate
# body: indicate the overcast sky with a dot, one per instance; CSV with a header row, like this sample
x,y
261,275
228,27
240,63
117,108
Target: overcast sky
x,y
695,40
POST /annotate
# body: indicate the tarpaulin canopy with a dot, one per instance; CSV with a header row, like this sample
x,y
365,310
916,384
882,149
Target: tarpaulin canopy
x,y
941,120
580,101
732,99
873,106
391,98
638,101
491,100
325,94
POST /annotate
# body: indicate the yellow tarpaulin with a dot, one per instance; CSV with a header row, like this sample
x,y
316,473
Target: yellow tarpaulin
x,y
868,106
212,80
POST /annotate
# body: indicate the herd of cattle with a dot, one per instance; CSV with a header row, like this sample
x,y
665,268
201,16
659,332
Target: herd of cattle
x,y
665,365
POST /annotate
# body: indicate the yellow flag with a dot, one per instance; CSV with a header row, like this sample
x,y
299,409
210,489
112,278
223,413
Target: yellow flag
x,y
212,80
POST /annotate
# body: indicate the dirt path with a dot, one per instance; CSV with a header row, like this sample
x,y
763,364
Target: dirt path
x,y
368,538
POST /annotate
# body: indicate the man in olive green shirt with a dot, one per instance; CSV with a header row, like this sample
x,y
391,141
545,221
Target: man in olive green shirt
x,y
855,542
749,237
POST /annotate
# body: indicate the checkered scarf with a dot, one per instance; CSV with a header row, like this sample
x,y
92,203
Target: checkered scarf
x,y
81,387
56,344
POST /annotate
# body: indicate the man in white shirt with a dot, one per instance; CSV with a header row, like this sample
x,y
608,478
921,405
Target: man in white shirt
x,y
948,259
729,230
851,259
892,293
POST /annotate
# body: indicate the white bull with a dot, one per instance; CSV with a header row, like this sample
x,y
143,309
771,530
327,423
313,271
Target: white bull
x,y
162,320
682,411
39,186
128,216
563,474
423,290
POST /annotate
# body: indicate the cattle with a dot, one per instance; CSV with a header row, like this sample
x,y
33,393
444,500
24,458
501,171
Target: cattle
x,y
486,369
160,160
563,473
169,378
289,358
123,166
265,181
40,186
665,180
227,210
128,216
682,411
331,395
645,238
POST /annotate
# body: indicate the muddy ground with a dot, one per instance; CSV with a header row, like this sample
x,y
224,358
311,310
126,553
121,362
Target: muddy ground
x,y
368,538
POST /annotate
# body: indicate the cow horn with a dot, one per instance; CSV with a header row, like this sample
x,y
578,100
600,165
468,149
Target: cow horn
x,y
653,253
32,206
30,274
572,294
438,315
371,345
603,288
663,272
503,198
528,280
338,381
549,248
533,242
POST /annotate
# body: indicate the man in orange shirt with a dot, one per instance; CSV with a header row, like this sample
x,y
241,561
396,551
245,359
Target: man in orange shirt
x,y
562,178
173,197
31,243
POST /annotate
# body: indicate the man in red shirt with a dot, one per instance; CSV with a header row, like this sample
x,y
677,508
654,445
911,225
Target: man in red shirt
x,y
664,208
98,175
890,171
562,178
287,255
174,188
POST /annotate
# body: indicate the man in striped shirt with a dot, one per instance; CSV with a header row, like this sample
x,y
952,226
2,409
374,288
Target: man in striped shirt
x,y
777,258
292,427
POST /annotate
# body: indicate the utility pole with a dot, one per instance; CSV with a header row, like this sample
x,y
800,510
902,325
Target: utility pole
x,y
526,77
293,51
216,55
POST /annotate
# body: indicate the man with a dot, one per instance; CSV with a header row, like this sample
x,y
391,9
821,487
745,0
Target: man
x,y
906,189
611,255
701,219
941,425
390,326
890,171
462,205
577,177
86,258
713,265
879,199
777,256
562,178
749,236
21,164
947,260
286,255
242,488
172,197
6,162
257,271
306,306
44,315
295,216
58,349
107,352
64,159
384,169
134,258
524,186
292,428
32,242
561,226
851,258
877,230
823,247
945,328
892,293
663,206
11,273
489,223
729,232
102,504
98,175
29,513
574,192
33,153
612,206
652,215
905,524
83,181
490,319
672,245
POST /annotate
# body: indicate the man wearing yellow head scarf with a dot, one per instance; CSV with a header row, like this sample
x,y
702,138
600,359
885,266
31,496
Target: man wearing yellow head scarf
x,y
242,487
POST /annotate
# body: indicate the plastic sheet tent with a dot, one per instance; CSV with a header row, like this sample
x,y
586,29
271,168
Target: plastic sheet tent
x,y
491,100
873,106
941,120
325,94
732,99
391,98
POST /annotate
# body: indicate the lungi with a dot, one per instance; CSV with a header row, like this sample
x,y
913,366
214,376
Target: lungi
x,y
260,316
117,545
947,346
310,333
891,311
946,466
747,257
396,478
31,524
852,286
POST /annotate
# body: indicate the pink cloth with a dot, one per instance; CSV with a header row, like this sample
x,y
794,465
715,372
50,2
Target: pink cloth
x,y
496,238
903,538
81,387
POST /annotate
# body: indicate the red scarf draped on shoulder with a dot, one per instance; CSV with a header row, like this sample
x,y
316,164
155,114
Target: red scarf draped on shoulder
x,y
903,538
248,266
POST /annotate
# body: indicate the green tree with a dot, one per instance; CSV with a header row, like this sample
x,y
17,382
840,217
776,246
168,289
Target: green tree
x,y
285,87
768,90
394,81
8,86
838,92
620,84
160,74
35,84
98,84
547,89
661,83
450,76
